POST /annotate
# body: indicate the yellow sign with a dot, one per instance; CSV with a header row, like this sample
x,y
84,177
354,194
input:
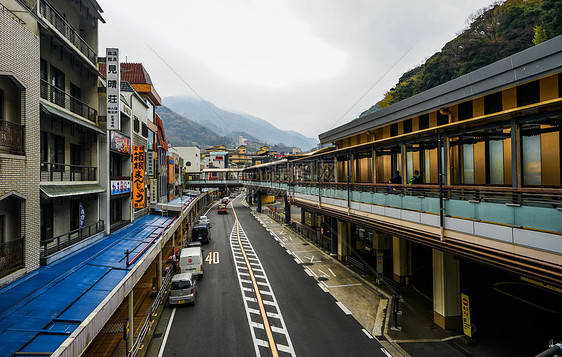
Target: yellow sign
x,y
139,193
465,305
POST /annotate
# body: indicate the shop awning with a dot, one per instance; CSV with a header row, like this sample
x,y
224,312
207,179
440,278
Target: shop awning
x,y
51,191
51,109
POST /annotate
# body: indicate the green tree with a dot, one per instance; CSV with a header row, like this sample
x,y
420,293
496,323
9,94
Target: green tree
x,y
540,35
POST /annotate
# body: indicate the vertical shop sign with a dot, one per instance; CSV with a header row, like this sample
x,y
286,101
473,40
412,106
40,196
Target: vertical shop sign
x,y
154,191
139,193
466,325
150,163
112,75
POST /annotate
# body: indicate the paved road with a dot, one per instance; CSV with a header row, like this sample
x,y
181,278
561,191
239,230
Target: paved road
x,y
272,302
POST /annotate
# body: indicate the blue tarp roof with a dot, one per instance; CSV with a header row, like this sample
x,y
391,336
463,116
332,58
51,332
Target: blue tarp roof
x,y
39,311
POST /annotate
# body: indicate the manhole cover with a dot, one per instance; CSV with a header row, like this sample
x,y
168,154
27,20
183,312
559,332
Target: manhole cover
x,y
307,264
322,279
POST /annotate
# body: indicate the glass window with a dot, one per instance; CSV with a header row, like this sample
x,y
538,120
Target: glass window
x,y
427,168
493,103
393,129
531,160
465,110
468,163
424,121
2,116
528,93
409,165
408,126
496,162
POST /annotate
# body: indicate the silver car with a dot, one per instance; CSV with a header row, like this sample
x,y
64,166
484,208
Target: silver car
x,y
183,289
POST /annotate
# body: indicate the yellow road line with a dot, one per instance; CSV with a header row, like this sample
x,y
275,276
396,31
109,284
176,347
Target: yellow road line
x,y
256,290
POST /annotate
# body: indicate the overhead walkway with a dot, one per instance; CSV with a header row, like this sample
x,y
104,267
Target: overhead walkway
x,y
40,311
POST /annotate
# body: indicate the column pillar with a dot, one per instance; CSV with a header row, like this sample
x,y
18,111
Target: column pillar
x,y
446,291
287,211
343,240
130,340
400,260
160,269
333,237
258,202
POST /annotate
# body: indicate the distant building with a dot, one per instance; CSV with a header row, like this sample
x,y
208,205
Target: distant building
x,y
191,156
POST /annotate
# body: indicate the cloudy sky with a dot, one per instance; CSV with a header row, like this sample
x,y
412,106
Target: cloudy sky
x,y
299,64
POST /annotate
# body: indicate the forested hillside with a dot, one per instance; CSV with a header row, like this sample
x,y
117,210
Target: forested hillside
x,y
493,33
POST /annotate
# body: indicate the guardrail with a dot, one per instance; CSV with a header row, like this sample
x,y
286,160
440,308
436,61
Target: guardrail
x,y
65,172
62,99
53,245
149,319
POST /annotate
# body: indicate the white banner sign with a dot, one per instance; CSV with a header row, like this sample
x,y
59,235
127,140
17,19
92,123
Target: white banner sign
x,y
112,75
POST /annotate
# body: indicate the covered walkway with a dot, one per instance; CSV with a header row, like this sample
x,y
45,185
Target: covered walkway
x,y
39,311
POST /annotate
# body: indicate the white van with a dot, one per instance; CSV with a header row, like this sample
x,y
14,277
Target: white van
x,y
191,261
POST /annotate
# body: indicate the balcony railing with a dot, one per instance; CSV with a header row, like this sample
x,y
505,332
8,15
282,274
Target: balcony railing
x,y
11,256
53,17
11,136
53,245
65,100
65,172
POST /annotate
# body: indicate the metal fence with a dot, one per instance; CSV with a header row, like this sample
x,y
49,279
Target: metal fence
x,y
11,255
65,172
53,245
62,99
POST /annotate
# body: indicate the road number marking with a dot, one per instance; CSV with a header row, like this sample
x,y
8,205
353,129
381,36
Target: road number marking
x,y
212,258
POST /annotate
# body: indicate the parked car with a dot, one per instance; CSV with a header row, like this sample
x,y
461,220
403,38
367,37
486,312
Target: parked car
x,y
221,209
183,289
201,232
191,261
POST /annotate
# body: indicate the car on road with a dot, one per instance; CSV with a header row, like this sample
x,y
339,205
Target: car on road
x,y
201,232
204,219
225,200
221,209
191,261
183,289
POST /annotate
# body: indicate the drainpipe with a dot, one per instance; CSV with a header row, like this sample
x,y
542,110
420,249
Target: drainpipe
x,y
447,112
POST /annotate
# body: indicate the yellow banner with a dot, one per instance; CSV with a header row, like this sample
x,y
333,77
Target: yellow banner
x,y
465,305
139,194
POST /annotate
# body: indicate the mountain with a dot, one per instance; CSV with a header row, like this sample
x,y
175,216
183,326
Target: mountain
x,y
233,124
181,131
495,32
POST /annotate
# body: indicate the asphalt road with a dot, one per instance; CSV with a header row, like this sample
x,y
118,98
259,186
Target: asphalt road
x,y
218,324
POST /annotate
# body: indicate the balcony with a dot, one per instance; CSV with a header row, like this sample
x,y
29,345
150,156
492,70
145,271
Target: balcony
x,y
65,100
11,256
53,245
55,19
55,172
11,137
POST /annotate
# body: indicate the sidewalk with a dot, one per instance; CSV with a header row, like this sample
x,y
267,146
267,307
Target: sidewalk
x,y
369,304
39,311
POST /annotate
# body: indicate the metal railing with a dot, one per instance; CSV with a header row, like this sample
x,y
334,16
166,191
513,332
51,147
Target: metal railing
x,y
149,319
65,172
53,245
11,256
62,99
11,136
53,17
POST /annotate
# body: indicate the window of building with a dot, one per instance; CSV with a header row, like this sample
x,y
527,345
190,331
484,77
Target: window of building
x,y
43,69
493,103
495,159
424,121
393,129
528,93
136,124
468,163
75,155
407,126
44,147
531,160
560,85
364,236
144,130
442,119
465,110
57,151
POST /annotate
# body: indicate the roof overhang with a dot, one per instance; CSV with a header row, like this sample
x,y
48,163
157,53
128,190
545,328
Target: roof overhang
x,y
50,109
53,191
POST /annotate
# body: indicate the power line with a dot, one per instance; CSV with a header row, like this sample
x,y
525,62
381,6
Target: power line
x,y
371,87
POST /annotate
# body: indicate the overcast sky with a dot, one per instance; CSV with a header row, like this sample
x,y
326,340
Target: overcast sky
x,y
299,64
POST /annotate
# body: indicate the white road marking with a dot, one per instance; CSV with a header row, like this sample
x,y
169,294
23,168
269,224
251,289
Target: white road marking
x,y
306,271
323,273
386,352
323,288
344,309
163,345
332,272
342,286
366,333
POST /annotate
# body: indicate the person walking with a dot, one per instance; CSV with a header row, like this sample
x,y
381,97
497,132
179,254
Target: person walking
x,y
397,180
174,262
